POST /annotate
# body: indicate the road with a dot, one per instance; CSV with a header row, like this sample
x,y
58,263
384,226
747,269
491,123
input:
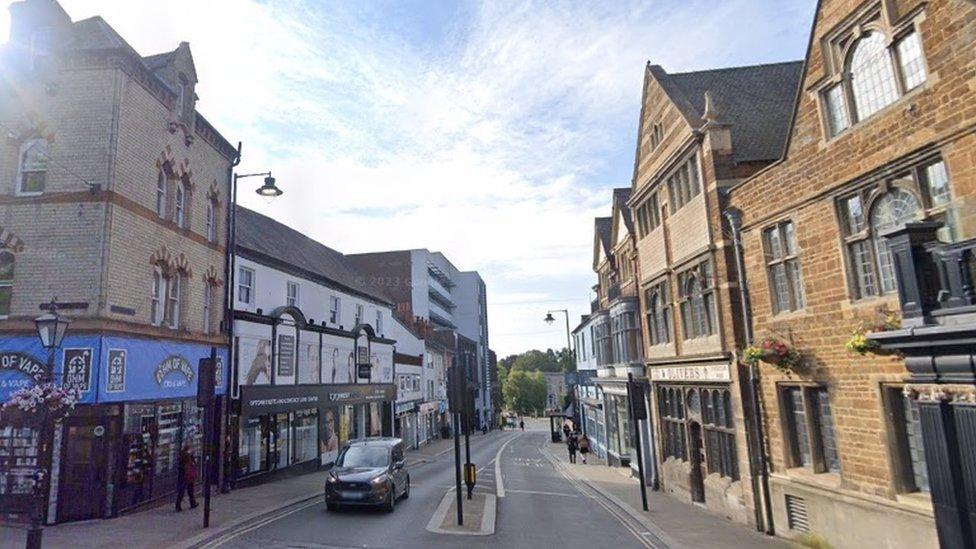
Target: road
x,y
540,508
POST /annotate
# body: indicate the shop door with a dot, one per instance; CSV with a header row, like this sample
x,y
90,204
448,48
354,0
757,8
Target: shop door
x,y
696,451
81,494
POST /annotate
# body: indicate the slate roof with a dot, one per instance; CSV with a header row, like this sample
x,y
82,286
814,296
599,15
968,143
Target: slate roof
x,y
757,101
263,238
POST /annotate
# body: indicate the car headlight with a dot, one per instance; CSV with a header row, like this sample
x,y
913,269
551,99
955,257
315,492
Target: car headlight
x,y
331,479
380,479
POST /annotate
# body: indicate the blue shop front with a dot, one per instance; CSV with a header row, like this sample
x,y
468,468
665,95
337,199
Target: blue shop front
x,y
119,449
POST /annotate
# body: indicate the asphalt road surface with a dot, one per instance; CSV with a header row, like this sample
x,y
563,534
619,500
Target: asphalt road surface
x,y
541,508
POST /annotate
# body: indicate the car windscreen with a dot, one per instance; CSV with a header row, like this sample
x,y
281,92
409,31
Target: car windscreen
x,y
364,456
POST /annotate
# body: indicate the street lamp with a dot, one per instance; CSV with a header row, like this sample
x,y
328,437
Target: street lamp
x,y
269,189
50,330
550,319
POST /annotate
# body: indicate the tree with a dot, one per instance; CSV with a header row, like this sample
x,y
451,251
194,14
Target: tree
x,y
536,361
524,392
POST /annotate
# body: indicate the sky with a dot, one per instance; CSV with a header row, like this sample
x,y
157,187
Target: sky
x,y
492,132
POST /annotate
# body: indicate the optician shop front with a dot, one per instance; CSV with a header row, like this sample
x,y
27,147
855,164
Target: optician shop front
x,y
119,448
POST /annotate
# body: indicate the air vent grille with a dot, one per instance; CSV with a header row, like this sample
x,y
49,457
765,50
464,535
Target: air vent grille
x,y
796,514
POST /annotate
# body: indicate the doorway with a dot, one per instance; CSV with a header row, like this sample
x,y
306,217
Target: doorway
x,y
81,492
696,455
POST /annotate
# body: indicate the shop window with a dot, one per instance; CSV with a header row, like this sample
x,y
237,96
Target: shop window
x,y
282,440
697,298
672,412
6,282
720,449
305,425
783,267
253,446
906,440
809,426
32,168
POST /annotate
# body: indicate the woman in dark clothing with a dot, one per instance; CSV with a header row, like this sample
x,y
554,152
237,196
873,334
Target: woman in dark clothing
x,y
584,448
187,477
572,445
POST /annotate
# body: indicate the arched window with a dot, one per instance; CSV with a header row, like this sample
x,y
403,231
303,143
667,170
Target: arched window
x,y
161,193
211,221
179,214
659,313
6,282
32,170
872,75
156,308
173,296
891,210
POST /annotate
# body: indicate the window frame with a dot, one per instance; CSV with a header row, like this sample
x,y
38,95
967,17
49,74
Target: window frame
x,y
904,475
180,205
815,431
8,282
211,221
913,179
22,169
360,312
292,300
796,296
157,295
684,183
704,305
249,288
718,431
162,192
174,298
335,309
659,318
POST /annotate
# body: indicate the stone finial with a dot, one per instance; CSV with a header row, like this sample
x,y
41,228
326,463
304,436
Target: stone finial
x,y
711,114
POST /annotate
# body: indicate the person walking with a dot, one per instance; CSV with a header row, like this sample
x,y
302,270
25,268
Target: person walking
x,y
584,448
522,424
572,446
566,431
186,478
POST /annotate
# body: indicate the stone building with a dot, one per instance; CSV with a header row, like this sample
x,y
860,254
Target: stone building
x,y
883,134
700,134
114,193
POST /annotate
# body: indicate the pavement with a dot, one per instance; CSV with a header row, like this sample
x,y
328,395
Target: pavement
x,y
538,499
163,527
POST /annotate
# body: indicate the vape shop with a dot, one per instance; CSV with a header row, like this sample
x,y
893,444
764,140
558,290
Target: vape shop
x,y
302,427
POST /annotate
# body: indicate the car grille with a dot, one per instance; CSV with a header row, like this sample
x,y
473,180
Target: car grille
x,y
352,485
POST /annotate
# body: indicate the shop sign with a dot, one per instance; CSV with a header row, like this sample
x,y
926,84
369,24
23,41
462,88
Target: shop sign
x,y
23,364
708,372
173,372
286,355
219,373
406,407
267,399
77,369
356,394
116,371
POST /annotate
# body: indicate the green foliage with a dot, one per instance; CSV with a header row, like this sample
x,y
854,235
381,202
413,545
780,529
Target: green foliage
x,y
816,541
524,392
538,361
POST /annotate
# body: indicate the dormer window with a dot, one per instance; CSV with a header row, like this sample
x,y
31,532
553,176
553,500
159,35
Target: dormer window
x,y
870,66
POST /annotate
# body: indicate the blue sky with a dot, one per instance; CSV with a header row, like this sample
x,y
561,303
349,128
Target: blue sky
x,y
492,132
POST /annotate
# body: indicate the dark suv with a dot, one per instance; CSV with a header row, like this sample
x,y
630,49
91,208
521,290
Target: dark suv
x,y
368,472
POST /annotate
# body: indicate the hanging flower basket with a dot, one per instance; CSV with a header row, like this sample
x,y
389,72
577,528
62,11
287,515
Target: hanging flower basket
x,y
775,353
861,344
42,402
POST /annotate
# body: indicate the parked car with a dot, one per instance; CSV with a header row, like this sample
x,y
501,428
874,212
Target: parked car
x,y
368,472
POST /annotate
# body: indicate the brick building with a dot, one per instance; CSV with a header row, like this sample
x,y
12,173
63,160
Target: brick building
x,y
701,133
113,199
883,134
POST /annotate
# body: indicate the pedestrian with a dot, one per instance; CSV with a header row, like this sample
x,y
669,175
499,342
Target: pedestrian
x,y
186,477
566,431
572,445
521,424
584,448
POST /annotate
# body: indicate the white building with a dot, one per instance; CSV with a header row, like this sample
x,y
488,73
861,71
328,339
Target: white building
x,y
410,381
311,363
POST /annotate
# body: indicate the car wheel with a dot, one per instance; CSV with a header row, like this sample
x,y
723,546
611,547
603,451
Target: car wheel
x,y
390,500
406,491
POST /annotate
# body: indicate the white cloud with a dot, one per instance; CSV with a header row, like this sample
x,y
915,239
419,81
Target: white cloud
x,y
496,143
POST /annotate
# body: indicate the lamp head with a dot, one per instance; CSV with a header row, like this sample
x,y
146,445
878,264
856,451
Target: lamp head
x,y
269,189
549,319
51,327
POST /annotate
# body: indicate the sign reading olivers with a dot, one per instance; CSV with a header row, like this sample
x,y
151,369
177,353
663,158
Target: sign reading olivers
x,y
174,364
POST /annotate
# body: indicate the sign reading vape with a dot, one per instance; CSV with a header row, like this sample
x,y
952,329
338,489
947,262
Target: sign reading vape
x,y
23,364
174,372
78,369
116,371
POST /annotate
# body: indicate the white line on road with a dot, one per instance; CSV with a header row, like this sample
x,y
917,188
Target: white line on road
x,y
534,492
499,483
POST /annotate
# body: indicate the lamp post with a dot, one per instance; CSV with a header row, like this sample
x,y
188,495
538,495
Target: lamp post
x,y
50,330
267,190
456,398
549,319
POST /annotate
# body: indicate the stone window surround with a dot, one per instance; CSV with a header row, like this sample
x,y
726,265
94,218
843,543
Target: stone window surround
x,y
796,302
903,475
22,151
837,47
662,290
7,283
708,292
905,175
811,428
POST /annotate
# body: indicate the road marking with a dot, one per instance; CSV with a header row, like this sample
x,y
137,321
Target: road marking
x,y
263,522
499,483
535,492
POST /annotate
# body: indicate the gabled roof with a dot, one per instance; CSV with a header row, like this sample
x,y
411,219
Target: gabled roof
x,y
601,239
619,209
267,241
756,101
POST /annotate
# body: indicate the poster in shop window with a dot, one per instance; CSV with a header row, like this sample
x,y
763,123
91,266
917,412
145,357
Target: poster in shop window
x,y
329,435
254,356
116,371
308,358
77,369
286,355
338,360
